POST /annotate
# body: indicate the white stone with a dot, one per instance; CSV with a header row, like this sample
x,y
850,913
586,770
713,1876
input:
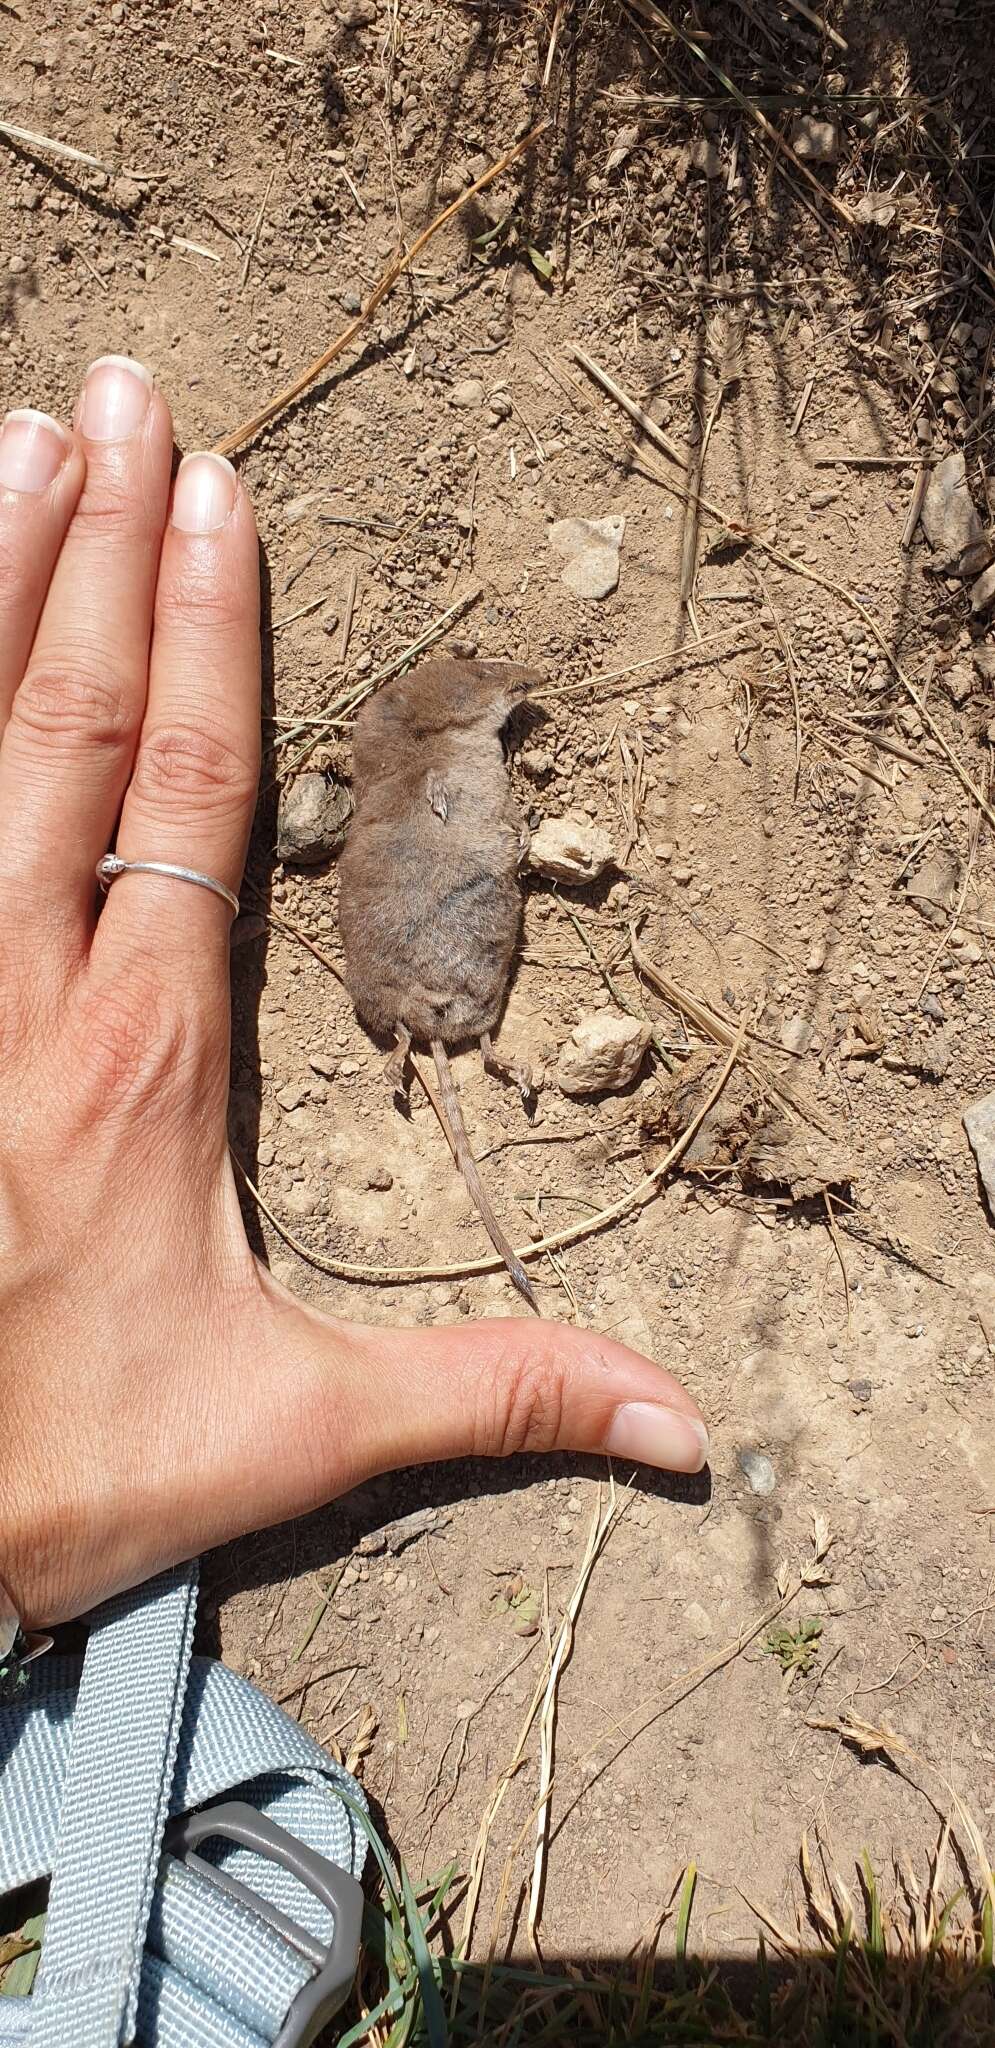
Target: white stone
x,y
604,1051
570,849
697,1620
590,550
816,141
468,393
979,1123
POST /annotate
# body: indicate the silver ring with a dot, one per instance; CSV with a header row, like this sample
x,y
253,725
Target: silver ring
x,y
112,866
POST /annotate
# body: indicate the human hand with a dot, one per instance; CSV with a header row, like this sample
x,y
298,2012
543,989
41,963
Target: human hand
x,y
159,1391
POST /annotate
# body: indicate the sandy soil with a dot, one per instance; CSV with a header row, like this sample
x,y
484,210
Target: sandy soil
x,y
261,163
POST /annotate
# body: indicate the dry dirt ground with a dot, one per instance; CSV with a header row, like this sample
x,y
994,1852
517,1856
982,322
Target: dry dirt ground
x,y
263,160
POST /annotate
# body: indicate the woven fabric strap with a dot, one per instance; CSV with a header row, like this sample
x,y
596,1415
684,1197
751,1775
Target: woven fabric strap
x,y
113,1812
213,1974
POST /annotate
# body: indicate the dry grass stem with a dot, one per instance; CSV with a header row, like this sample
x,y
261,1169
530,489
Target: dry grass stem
x,y
601,1528
31,140
634,1197
248,428
781,147
794,567
715,1028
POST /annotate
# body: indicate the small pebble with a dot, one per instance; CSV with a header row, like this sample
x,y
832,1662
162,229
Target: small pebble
x,y
699,1623
757,1471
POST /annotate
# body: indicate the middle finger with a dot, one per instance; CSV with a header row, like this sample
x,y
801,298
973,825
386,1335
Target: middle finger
x,y
70,739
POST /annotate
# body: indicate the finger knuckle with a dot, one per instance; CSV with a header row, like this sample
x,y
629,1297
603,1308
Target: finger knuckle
x,y
200,600
129,1037
76,701
187,764
15,568
523,1409
112,514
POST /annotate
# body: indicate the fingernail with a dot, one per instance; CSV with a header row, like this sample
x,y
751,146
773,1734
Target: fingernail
x,y
115,398
204,493
33,449
657,1436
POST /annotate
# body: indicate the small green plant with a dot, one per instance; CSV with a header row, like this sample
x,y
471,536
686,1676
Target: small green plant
x,y
796,1649
510,237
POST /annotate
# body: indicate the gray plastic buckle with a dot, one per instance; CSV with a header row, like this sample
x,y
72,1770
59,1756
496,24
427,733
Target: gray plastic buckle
x,y
335,1966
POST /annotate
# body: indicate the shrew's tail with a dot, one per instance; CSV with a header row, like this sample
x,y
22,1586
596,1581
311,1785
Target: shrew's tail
x,y
469,1169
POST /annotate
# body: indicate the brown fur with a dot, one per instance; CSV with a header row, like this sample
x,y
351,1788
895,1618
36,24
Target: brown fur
x,y
429,902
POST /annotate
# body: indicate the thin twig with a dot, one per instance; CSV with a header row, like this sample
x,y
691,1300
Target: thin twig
x,y
915,506
838,1249
75,156
688,656
257,224
788,653
249,427
601,1528
749,538
350,606
819,21
634,1197
781,147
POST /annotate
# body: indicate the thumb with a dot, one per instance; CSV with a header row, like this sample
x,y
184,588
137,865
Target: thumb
x,y
374,1399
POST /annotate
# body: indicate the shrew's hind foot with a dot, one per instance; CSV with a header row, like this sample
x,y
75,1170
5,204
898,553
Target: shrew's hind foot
x,y
397,1073
518,1074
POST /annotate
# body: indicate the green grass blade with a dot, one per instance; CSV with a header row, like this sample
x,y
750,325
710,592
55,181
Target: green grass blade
x,y
874,1944
683,1922
434,2010
364,2028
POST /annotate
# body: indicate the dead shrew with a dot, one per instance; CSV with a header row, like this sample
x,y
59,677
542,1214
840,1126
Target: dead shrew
x,y
429,901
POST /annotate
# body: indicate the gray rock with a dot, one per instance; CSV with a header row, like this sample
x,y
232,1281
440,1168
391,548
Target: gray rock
x,y
958,683
605,1050
758,1472
796,1034
979,1123
983,592
817,142
593,574
468,393
311,820
933,887
570,850
705,158
875,210
950,522
537,763
697,1620
590,550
